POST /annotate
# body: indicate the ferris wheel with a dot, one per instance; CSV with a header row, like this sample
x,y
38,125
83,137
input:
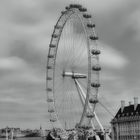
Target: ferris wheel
x,y
72,75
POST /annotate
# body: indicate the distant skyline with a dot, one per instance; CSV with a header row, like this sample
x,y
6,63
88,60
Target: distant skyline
x,y
25,33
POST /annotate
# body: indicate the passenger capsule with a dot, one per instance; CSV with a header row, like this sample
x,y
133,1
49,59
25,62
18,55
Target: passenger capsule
x,y
53,120
75,6
90,25
89,115
86,16
83,126
50,56
95,52
49,100
93,101
49,78
94,37
96,85
71,5
49,89
52,46
58,26
86,127
67,8
51,110
96,68
63,12
49,67
55,35
82,9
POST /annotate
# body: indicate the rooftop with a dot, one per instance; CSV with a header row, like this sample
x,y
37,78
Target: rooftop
x,y
128,111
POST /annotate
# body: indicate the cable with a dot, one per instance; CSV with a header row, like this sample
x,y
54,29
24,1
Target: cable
x,y
106,109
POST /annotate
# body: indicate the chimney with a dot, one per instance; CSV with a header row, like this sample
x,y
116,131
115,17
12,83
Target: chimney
x,y
122,105
135,102
130,103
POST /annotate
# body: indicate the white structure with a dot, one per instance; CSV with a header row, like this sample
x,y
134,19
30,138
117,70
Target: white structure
x,y
126,123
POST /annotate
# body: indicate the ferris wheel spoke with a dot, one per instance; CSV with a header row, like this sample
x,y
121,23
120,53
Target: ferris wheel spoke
x,y
66,99
73,47
80,52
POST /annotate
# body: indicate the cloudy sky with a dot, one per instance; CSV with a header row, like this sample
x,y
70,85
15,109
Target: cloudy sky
x,y
25,32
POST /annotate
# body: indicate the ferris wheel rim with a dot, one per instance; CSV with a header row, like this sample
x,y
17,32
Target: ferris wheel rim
x,y
88,52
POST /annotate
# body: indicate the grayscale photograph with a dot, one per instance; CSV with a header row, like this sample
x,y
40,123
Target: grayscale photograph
x,y
69,70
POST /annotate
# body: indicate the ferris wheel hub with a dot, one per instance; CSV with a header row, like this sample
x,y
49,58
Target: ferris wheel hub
x,y
74,75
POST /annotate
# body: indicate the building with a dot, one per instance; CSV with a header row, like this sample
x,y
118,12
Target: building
x,y
126,123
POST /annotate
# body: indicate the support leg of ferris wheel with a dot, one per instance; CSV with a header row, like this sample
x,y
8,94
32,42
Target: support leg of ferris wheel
x,y
82,99
90,107
83,96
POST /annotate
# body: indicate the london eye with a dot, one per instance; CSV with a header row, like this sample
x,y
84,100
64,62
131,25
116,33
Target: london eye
x,y
73,68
